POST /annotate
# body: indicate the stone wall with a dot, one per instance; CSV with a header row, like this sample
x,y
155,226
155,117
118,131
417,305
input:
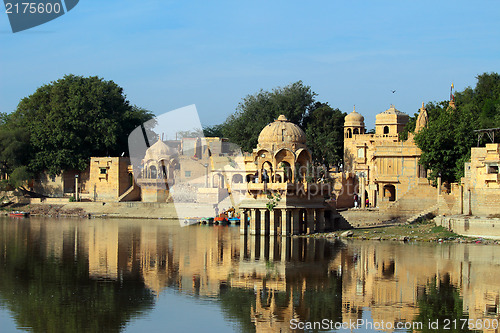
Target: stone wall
x,y
109,178
470,226
482,201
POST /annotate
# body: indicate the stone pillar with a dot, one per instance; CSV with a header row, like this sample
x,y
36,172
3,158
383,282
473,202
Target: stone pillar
x,y
253,221
295,222
243,223
77,195
320,219
461,199
272,224
263,222
363,196
285,230
309,221
439,186
251,247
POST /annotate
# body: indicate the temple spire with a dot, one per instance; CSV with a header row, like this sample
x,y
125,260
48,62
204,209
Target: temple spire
x,y
422,119
452,98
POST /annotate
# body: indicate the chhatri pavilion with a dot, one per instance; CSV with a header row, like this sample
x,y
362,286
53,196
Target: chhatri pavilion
x,y
282,196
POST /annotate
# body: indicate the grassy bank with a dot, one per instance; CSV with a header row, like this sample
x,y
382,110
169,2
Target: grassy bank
x,y
425,231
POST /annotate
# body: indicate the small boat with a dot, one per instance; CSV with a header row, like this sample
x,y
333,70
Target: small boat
x,y
19,214
235,220
207,220
220,220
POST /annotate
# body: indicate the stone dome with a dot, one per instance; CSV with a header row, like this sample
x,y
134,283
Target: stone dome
x,y
159,151
391,116
354,119
392,110
282,131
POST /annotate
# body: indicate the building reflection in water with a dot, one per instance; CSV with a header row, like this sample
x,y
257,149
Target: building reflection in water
x,y
264,282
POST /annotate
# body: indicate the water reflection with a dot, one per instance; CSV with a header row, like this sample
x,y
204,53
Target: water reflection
x,y
46,282
98,275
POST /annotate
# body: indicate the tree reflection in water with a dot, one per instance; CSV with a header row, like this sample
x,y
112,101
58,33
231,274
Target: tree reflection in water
x,y
49,294
442,303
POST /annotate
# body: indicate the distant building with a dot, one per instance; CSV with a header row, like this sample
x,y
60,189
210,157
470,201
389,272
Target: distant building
x,y
191,165
382,167
482,181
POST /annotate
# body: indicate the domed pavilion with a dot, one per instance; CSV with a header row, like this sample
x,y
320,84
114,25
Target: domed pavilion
x,y
157,172
283,197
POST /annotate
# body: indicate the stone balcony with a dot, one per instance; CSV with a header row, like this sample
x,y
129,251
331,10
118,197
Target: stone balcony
x,y
291,188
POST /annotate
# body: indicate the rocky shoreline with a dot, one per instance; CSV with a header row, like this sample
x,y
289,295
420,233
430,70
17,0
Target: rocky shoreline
x,y
425,231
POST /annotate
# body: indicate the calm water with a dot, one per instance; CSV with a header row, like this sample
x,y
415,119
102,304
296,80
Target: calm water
x,y
98,275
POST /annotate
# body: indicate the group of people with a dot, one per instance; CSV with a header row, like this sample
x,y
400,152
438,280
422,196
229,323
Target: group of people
x,y
357,201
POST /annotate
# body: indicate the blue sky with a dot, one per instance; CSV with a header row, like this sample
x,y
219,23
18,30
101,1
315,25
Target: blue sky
x,y
169,54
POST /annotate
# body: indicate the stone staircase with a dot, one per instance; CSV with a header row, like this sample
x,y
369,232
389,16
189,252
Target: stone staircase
x,y
414,201
426,213
130,194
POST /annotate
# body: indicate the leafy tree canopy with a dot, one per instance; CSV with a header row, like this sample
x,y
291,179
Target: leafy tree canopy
x,y
323,125
70,120
447,140
256,111
324,129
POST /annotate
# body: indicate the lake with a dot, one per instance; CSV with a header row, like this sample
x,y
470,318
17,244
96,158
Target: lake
x,y
115,275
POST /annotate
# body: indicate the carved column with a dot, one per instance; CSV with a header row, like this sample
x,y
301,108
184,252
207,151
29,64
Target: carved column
x,y
244,223
320,219
263,222
272,224
309,221
285,223
295,221
253,221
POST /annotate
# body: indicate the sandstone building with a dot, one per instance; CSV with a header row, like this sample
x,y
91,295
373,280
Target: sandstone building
x,y
281,197
384,167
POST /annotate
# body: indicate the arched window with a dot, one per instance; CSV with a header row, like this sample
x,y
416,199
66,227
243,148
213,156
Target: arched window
x,y
356,131
237,178
152,172
349,133
287,172
390,192
386,129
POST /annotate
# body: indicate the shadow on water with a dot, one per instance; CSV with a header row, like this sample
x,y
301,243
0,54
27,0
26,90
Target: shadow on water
x,y
49,293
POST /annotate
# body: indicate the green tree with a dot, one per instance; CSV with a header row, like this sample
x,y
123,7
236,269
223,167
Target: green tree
x,y
323,124
256,111
447,140
74,118
324,127
213,131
